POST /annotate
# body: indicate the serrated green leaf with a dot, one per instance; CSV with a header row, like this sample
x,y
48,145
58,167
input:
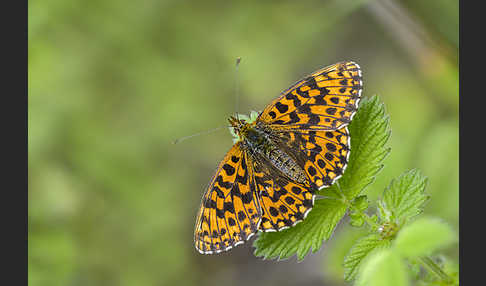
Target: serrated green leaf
x,y
383,212
404,198
423,236
354,215
382,268
361,202
356,221
310,233
369,131
359,251
337,248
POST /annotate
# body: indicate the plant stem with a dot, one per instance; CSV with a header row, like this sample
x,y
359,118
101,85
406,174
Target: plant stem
x,y
431,266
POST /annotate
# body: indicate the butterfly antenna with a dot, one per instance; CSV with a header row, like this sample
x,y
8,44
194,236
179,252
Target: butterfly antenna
x,y
237,87
197,134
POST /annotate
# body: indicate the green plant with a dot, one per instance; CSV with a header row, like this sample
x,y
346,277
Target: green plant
x,y
397,245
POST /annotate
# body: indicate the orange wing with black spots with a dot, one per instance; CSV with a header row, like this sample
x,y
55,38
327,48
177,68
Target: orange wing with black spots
x,y
230,212
284,203
325,100
325,154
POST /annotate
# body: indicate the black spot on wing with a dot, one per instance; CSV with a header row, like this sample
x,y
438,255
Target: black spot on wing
x,y
247,198
210,204
311,82
312,171
331,110
242,179
282,108
331,147
293,118
230,170
219,192
289,200
235,191
229,207
295,99
241,215
296,190
273,211
220,213
320,100
314,119
329,156
223,184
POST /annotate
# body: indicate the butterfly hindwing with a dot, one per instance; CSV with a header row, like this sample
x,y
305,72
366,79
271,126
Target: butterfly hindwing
x,y
230,212
326,154
323,155
283,201
327,99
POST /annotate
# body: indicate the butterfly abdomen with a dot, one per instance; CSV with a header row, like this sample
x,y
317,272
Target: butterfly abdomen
x,y
287,165
260,143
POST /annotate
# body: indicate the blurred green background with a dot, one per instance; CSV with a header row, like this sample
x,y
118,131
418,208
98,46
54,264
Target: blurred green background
x,y
113,83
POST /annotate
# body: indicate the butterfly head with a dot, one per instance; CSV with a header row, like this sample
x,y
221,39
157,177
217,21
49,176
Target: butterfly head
x,y
240,124
238,128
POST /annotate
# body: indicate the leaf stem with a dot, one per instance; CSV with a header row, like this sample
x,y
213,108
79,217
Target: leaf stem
x,y
363,215
431,266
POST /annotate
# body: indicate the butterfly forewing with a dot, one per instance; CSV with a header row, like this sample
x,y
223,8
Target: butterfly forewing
x,y
229,213
325,100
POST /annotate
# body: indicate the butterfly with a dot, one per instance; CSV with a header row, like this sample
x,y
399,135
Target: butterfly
x,y
281,156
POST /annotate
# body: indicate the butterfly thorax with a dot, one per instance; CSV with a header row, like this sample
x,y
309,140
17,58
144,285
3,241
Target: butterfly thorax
x,y
259,143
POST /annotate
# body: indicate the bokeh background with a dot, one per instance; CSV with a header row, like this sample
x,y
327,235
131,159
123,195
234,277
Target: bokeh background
x,y
112,83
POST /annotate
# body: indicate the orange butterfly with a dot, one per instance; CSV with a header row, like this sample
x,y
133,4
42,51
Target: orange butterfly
x,y
297,145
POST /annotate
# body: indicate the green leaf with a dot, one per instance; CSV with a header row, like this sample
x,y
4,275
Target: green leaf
x,y
383,268
361,202
413,268
359,251
383,213
337,248
423,236
369,131
404,198
310,233
356,220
